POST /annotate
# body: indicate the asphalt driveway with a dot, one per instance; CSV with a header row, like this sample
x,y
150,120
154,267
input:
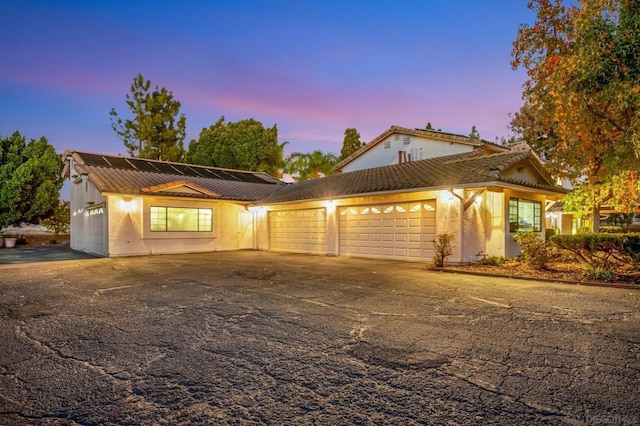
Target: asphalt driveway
x,y
263,338
36,254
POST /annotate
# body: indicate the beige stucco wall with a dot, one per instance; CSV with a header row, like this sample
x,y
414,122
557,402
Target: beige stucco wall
x,y
130,232
495,223
482,231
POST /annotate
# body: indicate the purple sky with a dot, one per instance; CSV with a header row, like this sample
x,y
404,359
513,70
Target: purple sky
x,y
313,68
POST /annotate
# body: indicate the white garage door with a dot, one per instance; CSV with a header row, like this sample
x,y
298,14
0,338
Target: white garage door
x,y
94,235
403,231
303,231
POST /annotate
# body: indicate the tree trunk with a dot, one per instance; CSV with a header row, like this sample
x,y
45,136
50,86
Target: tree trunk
x,y
596,219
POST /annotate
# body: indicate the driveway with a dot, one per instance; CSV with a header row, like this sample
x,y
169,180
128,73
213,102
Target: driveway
x,y
47,253
264,338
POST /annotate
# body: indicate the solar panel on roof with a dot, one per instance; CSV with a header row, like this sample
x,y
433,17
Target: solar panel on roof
x,y
194,171
143,165
245,177
94,160
166,168
186,170
120,163
218,174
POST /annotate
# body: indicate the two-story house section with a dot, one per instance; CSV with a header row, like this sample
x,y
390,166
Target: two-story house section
x,y
399,145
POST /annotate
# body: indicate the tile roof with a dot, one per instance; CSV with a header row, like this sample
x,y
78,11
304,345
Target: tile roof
x,y
111,174
472,168
137,176
433,134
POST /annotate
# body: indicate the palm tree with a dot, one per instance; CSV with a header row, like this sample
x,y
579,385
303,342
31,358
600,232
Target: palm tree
x,y
280,162
305,166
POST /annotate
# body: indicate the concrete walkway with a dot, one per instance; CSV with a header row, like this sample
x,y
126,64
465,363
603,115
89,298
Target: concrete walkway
x,y
40,254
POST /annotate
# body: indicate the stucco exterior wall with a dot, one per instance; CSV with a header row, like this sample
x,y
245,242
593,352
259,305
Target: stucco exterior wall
x,y
421,148
475,228
85,205
496,224
130,232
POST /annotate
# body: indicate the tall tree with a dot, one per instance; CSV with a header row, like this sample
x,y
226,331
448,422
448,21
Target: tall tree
x,y
474,132
305,166
351,143
157,130
583,94
30,179
243,145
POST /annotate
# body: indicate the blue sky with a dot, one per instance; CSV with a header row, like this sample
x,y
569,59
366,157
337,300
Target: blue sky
x,y
314,68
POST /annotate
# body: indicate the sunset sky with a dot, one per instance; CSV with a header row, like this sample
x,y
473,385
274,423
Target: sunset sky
x,y
314,68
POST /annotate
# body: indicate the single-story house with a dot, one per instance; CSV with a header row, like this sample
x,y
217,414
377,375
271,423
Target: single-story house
x,y
482,195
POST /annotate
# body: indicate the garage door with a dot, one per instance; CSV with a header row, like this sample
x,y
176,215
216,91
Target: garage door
x,y
302,231
94,235
403,231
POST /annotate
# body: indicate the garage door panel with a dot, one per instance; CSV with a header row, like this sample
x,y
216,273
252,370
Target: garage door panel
x,y
429,229
414,252
301,231
401,252
394,231
415,237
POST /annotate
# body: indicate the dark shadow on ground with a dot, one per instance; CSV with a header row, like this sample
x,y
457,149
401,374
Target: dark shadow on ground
x,y
40,254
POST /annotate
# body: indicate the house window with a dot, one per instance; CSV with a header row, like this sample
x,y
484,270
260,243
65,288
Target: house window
x,y
180,219
525,215
387,145
406,140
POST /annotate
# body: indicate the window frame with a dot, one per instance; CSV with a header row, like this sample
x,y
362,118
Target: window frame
x,y
201,221
514,212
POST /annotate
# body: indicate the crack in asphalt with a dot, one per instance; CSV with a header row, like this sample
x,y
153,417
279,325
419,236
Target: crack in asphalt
x,y
102,371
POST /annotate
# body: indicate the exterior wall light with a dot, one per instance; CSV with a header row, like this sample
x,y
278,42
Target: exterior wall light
x,y
127,205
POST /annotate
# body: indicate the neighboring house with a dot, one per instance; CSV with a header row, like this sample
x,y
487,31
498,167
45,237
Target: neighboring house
x,y
127,206
401,145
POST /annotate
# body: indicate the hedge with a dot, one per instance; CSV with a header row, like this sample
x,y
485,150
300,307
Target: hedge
x,y
608,251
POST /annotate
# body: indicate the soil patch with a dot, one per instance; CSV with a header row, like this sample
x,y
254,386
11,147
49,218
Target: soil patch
x,y
567,272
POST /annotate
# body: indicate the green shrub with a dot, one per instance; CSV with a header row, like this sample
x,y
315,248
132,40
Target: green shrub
x,y
442,246
548,233
604,251
611,229
598,274
493,260
534,250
